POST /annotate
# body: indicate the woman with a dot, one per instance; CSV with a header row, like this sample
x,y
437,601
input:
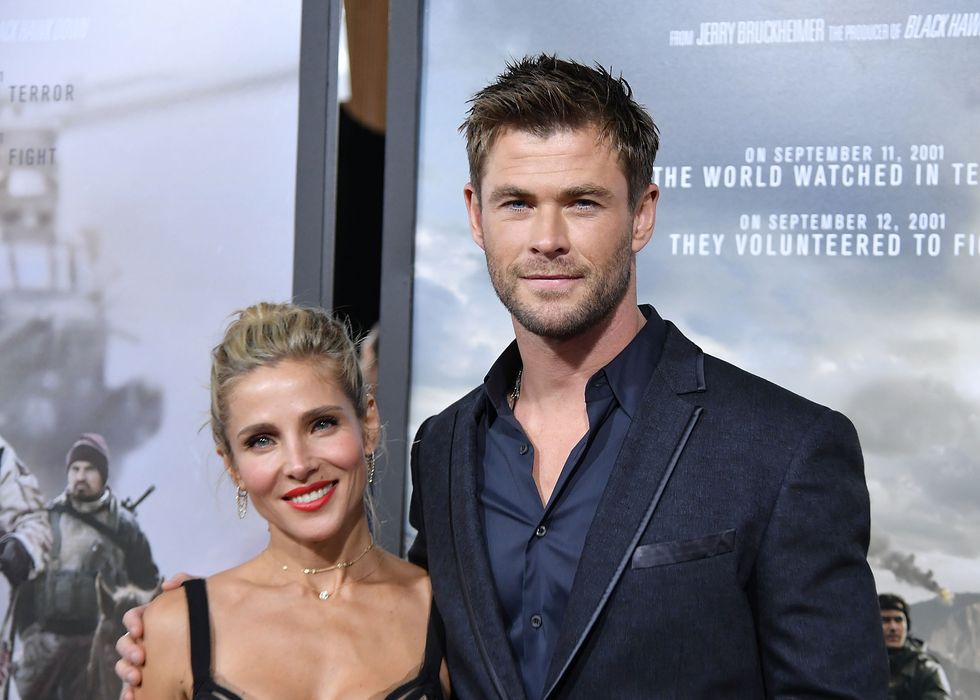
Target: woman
x,y
321,612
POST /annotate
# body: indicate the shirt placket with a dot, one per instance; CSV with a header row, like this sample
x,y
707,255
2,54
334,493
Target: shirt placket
x,y
539,621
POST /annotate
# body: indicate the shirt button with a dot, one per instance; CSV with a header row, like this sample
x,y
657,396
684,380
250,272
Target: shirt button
x,y
540,532
536,621
523,449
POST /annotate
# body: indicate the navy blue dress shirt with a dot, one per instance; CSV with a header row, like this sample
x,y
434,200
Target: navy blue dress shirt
x,y
534,548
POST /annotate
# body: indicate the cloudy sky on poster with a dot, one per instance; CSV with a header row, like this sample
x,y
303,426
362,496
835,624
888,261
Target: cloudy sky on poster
x,y
889,339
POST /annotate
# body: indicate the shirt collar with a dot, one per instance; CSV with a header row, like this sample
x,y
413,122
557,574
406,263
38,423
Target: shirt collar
x,y
499,382
630,371
627,374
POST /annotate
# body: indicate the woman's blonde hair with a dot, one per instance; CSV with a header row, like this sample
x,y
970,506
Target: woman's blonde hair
x,y
265,334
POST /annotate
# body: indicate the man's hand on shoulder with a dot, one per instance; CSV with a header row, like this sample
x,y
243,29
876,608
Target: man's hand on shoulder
x,y
132,656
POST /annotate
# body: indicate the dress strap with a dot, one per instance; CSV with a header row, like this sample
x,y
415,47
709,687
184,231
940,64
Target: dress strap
x,y
435,644
200,625
427,684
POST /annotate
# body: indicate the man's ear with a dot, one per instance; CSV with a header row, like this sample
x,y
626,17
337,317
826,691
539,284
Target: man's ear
x,y
475,213
645,217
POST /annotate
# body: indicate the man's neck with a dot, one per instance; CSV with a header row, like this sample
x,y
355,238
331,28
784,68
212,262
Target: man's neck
x,y
551,407
556,369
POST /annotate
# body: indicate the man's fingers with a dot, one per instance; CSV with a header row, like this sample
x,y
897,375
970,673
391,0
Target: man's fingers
x,y
130,677
176,580
133,621
129,651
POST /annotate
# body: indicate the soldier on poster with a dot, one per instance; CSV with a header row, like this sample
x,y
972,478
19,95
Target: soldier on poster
x,y
25,537
915,673
24,533
97,545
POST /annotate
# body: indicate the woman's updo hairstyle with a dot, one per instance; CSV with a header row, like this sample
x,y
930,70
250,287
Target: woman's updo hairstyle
x,y
266,334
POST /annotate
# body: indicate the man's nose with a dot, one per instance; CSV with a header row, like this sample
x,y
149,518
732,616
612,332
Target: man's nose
x,y
551,233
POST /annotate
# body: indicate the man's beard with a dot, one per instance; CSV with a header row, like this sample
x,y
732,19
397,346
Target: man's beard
x,y
606,287
84,493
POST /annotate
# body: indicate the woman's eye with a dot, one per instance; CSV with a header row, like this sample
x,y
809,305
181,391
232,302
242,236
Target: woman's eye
x,y
324,423
258,441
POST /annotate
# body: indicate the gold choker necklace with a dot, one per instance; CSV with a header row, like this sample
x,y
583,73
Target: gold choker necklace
x,y
324,594
339,565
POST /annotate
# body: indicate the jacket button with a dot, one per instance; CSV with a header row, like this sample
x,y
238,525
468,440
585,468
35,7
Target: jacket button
x,y
536,621
523,449
540,532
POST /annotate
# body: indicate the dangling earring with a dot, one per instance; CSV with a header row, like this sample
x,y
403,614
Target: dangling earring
x,y
241,502
371,460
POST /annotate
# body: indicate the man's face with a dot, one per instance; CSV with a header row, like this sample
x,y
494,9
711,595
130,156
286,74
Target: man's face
x,y
554,220
84,481
895,627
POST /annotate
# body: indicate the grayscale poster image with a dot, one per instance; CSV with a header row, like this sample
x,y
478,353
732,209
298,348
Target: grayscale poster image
x,y
147,170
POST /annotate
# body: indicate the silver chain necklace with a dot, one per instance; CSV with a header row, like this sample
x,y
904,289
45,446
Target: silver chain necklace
x,y
516,391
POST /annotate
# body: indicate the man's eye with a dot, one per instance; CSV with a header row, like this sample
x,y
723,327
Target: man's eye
x,y
585,204
516,204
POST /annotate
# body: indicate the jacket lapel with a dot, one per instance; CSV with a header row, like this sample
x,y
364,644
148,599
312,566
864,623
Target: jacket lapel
x,y
472,562
655,440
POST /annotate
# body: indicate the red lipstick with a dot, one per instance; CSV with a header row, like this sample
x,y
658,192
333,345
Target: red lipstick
x,y
300,497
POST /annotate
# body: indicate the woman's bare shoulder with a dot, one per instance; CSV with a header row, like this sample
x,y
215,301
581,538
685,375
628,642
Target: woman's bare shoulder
x,y
406,574
166,615
408,591
166,673
231,586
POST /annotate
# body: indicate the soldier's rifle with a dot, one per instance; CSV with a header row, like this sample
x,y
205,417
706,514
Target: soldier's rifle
x,y
131,505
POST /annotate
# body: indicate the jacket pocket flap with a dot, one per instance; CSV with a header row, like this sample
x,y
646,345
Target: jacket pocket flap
x,y
661,553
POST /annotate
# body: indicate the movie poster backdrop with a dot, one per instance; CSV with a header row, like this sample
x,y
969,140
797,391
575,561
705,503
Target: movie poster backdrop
x,y
147,173
819,225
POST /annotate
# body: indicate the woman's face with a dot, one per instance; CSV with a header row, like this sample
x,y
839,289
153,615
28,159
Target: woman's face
x,y
298,448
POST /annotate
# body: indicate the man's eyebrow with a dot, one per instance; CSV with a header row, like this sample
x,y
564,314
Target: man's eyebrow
x,y
508,192
580,191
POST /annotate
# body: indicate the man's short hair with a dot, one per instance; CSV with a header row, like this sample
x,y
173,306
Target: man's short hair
x,y
544,94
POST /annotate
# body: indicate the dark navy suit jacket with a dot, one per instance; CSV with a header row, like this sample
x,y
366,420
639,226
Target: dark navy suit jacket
x,y
726,558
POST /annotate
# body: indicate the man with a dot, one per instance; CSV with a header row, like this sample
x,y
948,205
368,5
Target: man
x,y
613,513
58,612
915,674
25,538
24,533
